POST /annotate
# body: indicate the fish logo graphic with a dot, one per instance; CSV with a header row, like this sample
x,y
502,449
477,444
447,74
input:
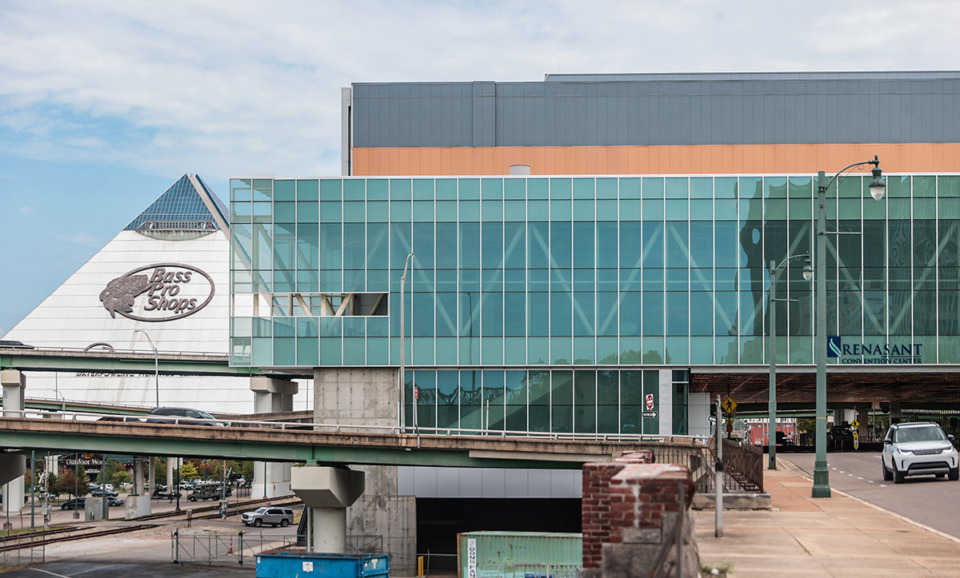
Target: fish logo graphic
x,y
121,293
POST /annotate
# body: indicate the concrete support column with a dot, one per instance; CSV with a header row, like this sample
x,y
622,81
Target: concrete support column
x,y
271,396
327,492
152,474
13,382
138,501
137,476
665,408
368,396
171,466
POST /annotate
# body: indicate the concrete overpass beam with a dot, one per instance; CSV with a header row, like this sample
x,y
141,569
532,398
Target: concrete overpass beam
x,y
327,492
13,382
271,396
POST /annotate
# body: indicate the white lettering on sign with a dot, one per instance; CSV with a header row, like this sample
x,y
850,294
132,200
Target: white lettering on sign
x,y
160,292
471,558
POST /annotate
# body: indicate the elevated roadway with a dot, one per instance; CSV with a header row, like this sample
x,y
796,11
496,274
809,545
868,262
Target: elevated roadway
x,y
122,361
312,444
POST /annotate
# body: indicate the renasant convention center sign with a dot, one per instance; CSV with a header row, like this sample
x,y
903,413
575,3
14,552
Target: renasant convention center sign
x,y
160,292
873,353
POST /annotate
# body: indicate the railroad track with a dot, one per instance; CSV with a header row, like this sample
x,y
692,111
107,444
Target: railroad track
x,y
71,533
59,535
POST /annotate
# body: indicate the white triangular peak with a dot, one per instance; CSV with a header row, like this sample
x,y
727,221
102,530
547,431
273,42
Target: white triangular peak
x,y
167,273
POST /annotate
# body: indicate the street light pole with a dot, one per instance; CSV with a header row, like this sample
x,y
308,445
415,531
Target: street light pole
x,y
821,475
403,337
156,363
772,335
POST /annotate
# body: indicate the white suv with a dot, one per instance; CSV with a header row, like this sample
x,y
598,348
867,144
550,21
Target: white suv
x,y
273,516
916,449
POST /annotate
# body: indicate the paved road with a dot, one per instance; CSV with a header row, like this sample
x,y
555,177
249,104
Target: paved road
x,y
927,500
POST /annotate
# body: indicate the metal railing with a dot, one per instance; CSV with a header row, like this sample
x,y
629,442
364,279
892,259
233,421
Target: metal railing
x,y
691,440
216,547
23,549
744,462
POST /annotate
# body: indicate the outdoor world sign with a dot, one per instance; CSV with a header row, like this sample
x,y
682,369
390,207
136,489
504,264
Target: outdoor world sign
x,y
160,292
873,353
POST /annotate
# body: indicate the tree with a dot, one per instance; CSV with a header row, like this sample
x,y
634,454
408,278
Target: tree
x,y
66,483
188,471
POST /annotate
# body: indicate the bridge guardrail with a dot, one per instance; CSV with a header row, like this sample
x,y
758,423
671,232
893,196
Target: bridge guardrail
x,y
358,428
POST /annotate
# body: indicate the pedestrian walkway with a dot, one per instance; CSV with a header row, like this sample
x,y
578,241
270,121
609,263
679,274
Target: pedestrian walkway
x,y
838,536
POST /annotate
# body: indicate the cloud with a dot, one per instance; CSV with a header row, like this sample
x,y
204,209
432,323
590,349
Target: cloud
x,y
25,210
82,239
220,87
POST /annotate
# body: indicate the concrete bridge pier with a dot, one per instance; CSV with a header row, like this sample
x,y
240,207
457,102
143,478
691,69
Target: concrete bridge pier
x,y
138,501
271,396
13,383
327,492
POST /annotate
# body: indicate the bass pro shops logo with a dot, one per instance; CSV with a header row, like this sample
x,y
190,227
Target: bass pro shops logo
x,y
161,292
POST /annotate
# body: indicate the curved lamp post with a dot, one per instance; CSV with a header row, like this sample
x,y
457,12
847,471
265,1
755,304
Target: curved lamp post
x,y
156,363
821,476
403,337
772,335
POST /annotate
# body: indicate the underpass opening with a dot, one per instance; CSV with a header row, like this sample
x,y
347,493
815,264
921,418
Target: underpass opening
x,y
439,520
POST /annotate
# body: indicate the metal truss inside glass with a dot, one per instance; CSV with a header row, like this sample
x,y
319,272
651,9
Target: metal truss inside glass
x,y
588,271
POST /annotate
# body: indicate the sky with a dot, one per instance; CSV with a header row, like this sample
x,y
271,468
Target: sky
x,y
105,104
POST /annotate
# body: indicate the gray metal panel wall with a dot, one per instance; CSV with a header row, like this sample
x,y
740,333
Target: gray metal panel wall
x,y
712,109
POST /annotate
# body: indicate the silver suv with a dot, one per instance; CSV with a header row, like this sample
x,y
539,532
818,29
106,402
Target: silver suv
x,y
916,449
268,515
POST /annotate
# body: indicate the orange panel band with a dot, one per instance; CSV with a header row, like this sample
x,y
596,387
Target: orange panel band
x,y
619,160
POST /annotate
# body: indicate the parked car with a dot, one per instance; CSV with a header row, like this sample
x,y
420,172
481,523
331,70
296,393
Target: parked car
x,y
913,449
268,515
161,493
840,437
114,501
74,504
182,416
98,492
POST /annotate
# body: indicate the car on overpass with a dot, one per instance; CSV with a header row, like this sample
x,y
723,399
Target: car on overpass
x,y
182,416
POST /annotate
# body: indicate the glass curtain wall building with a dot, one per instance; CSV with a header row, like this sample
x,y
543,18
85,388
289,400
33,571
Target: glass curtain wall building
x,y
555,303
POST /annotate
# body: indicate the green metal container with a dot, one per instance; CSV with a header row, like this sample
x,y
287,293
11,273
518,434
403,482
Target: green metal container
x,y
519,554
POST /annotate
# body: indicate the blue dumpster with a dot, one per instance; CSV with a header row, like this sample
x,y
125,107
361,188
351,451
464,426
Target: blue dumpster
x,y
300,564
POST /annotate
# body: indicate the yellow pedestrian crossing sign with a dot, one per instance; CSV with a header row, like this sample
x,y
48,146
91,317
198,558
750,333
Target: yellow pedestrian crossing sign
x,y
729,405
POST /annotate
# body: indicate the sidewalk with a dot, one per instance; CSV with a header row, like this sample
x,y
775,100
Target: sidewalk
x,y
839,536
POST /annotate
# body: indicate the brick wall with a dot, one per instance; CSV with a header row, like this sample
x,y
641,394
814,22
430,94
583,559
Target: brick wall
x,y
630,508
597,503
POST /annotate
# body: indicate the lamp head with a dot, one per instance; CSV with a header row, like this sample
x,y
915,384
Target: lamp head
x,y
808,272
877,186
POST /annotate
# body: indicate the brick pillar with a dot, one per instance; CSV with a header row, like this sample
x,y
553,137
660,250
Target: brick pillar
x,y
630,510
595,513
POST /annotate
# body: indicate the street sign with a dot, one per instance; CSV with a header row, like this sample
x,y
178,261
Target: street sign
x,y
649,402
729,405
649,414
416,392
855,424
